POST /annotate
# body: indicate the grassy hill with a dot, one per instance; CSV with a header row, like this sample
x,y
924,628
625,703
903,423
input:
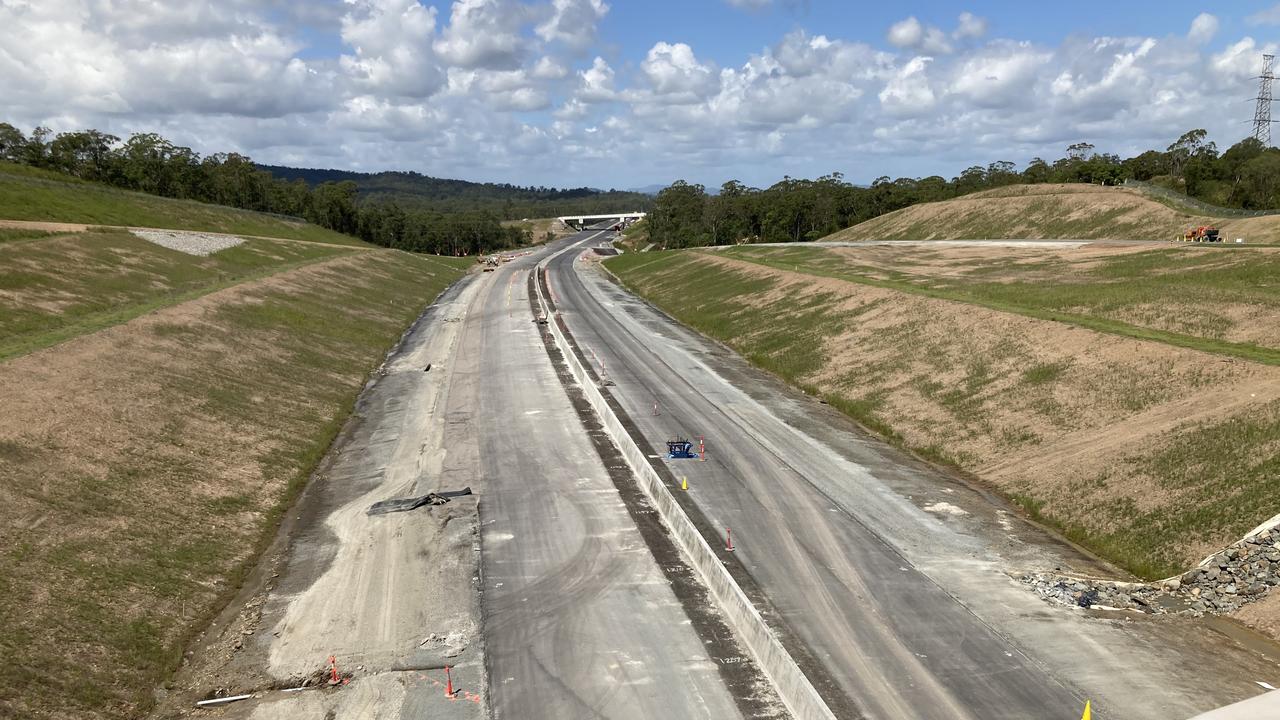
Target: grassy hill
x,y
37,195
161,411
508,202
1034,212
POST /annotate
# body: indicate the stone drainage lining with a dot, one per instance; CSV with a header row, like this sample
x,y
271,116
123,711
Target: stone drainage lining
x,y
191,243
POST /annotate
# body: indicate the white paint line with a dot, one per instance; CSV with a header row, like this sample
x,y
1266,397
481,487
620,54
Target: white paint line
x,y
219,701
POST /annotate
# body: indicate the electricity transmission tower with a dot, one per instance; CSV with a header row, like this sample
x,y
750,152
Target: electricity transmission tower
x,y
1262,111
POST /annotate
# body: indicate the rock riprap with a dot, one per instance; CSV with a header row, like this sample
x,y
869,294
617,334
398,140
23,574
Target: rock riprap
x,y
192,243
1220,584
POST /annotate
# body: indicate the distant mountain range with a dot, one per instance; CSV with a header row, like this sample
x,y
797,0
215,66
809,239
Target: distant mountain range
x,y
415,191
648,189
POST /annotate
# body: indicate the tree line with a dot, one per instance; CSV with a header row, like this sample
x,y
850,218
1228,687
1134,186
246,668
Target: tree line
x,y
147,162
1246,176
413,190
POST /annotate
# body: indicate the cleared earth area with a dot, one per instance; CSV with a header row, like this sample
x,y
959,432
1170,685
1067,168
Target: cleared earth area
x,y
161,411
542,229
1151,453
1051,211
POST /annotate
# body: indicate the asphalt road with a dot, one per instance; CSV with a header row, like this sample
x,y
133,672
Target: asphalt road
x,y
580,622
901,612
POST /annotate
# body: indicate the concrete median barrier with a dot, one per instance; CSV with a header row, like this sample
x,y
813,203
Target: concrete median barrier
x,y
792,686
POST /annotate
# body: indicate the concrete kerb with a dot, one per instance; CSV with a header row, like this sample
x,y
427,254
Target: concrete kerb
x,y
792,686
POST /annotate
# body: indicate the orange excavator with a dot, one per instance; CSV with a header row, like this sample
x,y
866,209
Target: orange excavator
x,y
1204,233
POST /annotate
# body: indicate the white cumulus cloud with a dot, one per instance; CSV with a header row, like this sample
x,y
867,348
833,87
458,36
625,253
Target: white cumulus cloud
x,y
596,83
573,22
908,92
1203,28
391,48
675,73
483,34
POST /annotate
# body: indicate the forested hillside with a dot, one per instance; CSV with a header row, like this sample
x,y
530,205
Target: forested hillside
x,y
509,202
406,211
1244,177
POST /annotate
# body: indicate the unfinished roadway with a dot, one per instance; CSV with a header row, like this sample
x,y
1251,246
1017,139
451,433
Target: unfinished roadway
x,y
551,592
888,579
555,591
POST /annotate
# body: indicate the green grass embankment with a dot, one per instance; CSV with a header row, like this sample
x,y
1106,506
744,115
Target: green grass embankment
x,y
35,195
57,288
1176,287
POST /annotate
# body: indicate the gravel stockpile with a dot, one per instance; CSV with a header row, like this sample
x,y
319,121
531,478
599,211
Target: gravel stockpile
x,y
192,243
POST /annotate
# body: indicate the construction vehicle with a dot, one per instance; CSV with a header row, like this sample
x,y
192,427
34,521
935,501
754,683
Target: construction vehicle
x,y
680,449
1204,233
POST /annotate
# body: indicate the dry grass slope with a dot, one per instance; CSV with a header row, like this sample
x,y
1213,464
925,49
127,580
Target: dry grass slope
x,y
1208,297
1149,453
143,466
1037,212
57,286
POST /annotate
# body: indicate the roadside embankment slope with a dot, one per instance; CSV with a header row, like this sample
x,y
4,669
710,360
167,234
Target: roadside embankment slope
x,y
161,409
1037,212
30,194
1153,447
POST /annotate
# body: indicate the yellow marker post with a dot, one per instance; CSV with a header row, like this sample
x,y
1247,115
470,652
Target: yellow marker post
x,y
684,483
1088,712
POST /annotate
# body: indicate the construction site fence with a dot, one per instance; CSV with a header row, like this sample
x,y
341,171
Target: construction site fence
x,y
1193,205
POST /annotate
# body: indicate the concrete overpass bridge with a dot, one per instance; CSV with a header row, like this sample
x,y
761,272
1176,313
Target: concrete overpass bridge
x,y
581,221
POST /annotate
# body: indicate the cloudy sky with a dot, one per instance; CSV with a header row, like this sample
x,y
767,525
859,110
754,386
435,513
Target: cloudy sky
x,y
625,93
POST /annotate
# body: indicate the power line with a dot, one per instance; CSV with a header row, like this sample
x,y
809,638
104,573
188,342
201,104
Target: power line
x,y
1262,111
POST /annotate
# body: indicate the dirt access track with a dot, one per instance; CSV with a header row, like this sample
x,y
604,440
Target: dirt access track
x,y
59,227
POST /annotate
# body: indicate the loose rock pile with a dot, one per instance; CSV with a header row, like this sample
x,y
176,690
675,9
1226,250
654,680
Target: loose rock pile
x,y
1222,583
192,243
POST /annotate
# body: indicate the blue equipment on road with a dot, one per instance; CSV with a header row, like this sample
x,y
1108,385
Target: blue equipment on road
x,y
680,449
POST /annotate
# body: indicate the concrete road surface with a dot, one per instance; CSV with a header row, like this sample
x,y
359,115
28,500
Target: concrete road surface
x,y
540,590
580,622
888,578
